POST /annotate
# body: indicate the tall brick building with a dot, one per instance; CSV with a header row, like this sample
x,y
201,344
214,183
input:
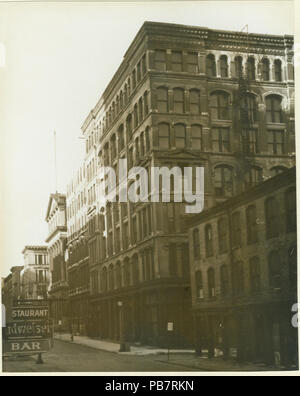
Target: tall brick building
x,y
244,277
182,96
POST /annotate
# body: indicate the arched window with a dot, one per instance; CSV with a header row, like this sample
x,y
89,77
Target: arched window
x,y
127,275
211,283
164,136
238,278
253,177
275,271
121,139
129,127
238,62
118,276
196,242
278,70
135,270
199,285
251,224
147,133
146,105
113,147
209,240
121,100
137,149
134,79
111,280
211,69
180,136
277,170
274,109
178,100
249,109
224,280
223,235
223,181
194,101
224,66
162,100
219,105
251,68
142,144
272,219
196,137
136,118
141,110
255,274
236,230
291,210
265,65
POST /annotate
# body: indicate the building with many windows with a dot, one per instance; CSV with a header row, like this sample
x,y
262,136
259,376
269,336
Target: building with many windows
x,y
56,218
187,97
244,274
35,277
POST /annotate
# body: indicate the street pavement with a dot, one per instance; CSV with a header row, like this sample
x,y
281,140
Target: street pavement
x,y
67,357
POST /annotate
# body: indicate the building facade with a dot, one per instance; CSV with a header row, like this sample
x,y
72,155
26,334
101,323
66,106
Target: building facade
x,y
187,97
78,254
244,274
56,218
35,277
11,289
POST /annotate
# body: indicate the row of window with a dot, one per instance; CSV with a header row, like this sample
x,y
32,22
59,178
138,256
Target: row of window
x,y
273,226
237,284
179,62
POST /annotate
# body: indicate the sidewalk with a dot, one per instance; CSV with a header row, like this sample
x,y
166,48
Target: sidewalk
x,y
114,347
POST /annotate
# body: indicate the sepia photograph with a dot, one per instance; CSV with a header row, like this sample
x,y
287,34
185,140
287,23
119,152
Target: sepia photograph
x,y
148,200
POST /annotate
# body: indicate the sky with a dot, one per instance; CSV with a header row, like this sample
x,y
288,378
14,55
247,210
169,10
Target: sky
x,y
56,59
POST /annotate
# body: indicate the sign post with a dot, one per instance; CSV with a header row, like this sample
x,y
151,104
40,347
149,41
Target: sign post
x,y
29,330
170,330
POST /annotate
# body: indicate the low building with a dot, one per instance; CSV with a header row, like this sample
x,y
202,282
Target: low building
x,y
35,278
244,274
57,244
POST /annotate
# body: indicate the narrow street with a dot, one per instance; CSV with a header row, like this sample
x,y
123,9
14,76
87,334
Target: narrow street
x,y
66,357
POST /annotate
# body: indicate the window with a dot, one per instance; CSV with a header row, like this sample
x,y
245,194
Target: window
x,y
224,280
173,259
194,101
265,65
135,270
275,142
253,177
199,285
236,229
224,66
196,242
113,147
135,114
125,236
222,233
141,110
134,230
251,224
209,240
220,140
275,271
249,142
238,278
251,68
178,100
180,136
147,139
196,131
118,276
129,126
177,64
127,275
162,100
104,280
248,109
121,137
143,65
219,106
164,136
238,62
146,106
291,210
272,220
274,109
192,63
111,280
142,144
278,70
255,274
223,181
118,240
211,69
211,283
134,79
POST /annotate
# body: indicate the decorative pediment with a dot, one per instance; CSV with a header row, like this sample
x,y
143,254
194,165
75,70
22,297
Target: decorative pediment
x,y
185,155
